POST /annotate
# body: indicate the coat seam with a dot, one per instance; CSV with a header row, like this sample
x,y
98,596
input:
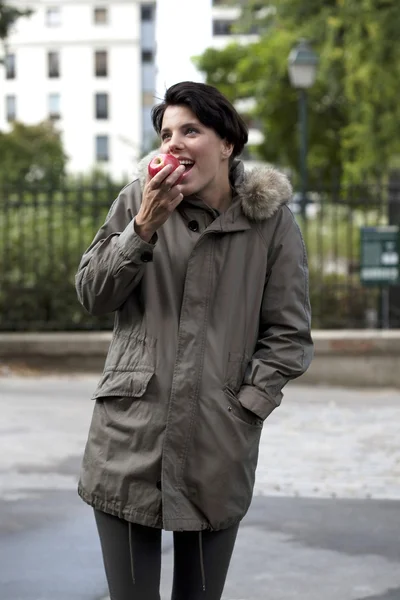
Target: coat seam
x,y
269,246
184,453
202,352
259,227
94,500
173,389
115,369
147,340
306,283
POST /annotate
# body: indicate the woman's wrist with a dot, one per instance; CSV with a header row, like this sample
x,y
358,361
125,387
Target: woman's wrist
x,y
143,230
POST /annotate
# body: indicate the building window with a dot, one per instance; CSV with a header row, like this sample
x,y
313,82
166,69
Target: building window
x,y
53,16
102,150
255,29
10,66
147,12
101,63
54,106
53,64
222,27
100,16
147,56
11,108
101,106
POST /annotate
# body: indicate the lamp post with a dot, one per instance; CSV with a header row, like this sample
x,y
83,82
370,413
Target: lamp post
x,y
302,64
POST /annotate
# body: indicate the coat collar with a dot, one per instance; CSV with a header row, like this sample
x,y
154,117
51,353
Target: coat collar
x,y
261,191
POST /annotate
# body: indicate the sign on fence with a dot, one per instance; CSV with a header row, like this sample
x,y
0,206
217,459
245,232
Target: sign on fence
x,y
379,264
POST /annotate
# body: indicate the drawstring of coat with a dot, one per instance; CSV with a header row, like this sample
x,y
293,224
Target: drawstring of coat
x,y
203,574
131,553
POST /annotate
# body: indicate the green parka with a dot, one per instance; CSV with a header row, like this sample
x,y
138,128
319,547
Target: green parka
x,y
212,319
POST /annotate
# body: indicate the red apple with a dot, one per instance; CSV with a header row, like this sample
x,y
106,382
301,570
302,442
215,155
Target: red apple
x,y
160,161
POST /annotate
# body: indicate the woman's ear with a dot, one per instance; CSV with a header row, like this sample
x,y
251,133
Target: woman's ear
x,y
227,149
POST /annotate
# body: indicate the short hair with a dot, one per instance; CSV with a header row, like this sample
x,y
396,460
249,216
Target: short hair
x,y
211,108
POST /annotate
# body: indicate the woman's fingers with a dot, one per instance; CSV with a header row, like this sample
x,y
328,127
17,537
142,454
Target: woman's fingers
x,y
175,175
158,179
161,196
174,192
175,202
166,178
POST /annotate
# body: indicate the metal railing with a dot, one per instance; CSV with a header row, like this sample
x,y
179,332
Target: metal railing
x,y
43,233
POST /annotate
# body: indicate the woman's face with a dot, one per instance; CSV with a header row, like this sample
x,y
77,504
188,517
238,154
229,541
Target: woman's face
x,y
204,153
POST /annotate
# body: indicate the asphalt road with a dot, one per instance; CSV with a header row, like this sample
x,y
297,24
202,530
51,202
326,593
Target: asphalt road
x,y
335,538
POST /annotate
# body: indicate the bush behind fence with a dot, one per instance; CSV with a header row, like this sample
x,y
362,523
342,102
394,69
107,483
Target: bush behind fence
x,y
43,234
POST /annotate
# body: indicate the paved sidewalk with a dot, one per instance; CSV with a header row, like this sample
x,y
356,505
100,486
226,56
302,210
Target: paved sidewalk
x,y
321,442
324,523
332,443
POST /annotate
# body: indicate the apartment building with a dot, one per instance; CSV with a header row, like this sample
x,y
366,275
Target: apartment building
x,y
225,16
89,66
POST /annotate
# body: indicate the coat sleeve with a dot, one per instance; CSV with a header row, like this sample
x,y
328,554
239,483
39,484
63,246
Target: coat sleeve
x,y
284,348
114,263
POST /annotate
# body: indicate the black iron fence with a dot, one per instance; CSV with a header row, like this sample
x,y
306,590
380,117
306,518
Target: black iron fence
x,y
43,234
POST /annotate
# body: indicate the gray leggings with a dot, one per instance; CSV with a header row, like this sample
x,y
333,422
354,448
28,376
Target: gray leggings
x,y
132,560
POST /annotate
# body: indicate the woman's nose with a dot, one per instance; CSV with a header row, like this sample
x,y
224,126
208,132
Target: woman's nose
x,y
175,144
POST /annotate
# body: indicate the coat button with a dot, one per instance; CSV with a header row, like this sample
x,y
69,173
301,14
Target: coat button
x,y
146,256
193,225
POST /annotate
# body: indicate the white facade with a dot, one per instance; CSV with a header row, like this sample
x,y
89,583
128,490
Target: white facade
x,y
145,55
224,18
187,34
69,28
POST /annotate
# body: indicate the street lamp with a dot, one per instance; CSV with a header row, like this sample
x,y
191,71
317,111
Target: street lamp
x,y
302,63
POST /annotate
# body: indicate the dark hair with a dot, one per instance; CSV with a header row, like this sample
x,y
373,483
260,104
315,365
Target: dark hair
x,y
210,107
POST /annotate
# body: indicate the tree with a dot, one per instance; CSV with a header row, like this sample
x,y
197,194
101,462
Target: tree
x,y
354,113
32,153
8,16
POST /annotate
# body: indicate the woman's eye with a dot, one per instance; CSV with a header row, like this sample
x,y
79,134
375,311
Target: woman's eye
x,y
165,136
191,130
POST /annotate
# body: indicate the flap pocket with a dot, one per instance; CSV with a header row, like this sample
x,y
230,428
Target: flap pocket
x,y
132,384
130,353
129,367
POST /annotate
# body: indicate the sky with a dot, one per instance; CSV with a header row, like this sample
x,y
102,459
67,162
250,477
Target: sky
x,y
183,30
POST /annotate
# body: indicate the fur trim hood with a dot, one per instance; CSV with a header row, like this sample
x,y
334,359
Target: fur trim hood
x,y
261,190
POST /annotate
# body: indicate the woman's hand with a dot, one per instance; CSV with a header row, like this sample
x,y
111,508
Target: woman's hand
x,y
160,198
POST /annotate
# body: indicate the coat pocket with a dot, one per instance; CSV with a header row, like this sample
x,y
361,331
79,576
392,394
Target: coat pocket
x,y
129,367
239,411
123,383
235,370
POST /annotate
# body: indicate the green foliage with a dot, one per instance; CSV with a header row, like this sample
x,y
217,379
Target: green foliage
x,y
32,153
332,239
44,232
340,302
96,181
43,235
354,113
8,16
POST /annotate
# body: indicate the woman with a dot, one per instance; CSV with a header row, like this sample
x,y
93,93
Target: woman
x,y
208,281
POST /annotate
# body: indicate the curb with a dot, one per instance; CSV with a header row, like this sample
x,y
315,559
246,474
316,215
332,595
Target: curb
x,y
360,358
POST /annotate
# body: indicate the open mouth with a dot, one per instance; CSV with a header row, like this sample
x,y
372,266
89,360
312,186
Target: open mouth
x,y
188,164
